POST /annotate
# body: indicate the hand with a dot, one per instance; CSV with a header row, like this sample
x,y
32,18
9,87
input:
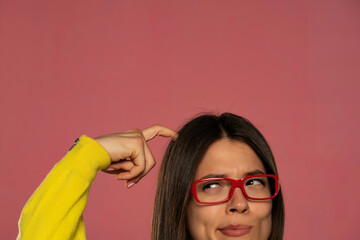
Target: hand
x,y
131,158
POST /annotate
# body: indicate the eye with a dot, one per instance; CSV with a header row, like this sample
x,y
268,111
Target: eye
x,y
255,182
211,185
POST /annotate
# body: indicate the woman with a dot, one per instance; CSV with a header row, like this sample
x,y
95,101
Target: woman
x,y
218,180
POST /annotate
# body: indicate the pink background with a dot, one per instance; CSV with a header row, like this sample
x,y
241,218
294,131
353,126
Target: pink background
x,y
94,67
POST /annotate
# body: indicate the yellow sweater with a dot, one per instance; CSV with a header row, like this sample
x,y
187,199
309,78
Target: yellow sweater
x,y
55,209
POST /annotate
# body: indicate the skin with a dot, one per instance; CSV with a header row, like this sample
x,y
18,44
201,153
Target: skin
x,y
233,159
130,155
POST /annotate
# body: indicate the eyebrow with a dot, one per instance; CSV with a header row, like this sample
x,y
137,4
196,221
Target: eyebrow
x,y
213,175
255,172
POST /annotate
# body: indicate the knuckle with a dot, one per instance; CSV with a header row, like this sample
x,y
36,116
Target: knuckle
x,y
150,168
137,131
135,175
137,141
137,170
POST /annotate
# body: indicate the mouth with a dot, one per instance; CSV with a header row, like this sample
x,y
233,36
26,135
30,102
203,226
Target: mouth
x,y
235,230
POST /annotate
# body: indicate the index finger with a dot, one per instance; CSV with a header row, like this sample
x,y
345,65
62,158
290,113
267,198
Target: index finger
x,y
159,130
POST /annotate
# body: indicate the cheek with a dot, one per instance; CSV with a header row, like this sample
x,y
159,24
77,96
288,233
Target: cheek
x,y
262,217
202,220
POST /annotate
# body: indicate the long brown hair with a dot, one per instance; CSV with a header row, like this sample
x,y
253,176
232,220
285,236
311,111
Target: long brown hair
x,y
181,161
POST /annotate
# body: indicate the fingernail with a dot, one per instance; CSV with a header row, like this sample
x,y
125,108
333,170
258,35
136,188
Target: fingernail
x,y
130,185
109,169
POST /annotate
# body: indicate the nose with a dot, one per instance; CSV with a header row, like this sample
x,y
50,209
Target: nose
x,y
238,203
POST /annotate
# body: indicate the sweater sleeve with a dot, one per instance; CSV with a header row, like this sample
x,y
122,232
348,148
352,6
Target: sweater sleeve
x,y
55,209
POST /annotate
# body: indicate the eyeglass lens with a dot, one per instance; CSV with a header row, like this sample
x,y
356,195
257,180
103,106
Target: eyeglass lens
x,y
219,190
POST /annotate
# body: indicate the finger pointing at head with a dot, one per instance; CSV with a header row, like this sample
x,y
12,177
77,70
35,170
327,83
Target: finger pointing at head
x,y
158,130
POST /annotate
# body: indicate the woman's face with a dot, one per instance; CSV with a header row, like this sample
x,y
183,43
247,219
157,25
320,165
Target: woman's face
x,y
237,218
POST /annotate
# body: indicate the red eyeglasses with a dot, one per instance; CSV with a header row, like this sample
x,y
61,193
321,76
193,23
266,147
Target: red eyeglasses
x,y
219,190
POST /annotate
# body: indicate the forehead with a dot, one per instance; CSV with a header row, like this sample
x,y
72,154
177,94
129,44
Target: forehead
x,y
229,157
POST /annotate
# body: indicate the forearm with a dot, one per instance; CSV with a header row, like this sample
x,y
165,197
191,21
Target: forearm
x,y
55,210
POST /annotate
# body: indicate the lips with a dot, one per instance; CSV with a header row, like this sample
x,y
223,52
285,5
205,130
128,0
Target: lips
x,y
235,230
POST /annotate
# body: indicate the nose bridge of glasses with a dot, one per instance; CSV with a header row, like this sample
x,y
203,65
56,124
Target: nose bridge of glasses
x,y
238,184
237,191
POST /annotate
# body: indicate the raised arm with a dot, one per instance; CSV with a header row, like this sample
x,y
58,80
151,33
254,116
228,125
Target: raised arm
x,y
55,209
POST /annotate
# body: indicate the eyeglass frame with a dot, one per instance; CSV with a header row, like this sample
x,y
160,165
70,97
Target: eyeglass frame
x,y
235,184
